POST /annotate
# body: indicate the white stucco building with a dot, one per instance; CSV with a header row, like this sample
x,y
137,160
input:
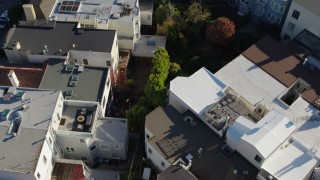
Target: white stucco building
x,y
27,143
303,14
265,93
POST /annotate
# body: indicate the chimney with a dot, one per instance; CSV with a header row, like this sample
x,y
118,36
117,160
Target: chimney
x,y
29,12
13,79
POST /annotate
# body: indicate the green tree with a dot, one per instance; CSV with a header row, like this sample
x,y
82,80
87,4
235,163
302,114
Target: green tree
x,y
136,116
175,69
196,14
155,90
195,19
164,12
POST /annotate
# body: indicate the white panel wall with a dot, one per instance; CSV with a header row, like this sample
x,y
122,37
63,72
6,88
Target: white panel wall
x,y
177,103
307,20
97,59
246,150
156,158
144,18
45,167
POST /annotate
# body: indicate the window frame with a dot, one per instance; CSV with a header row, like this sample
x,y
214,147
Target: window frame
x,y
258,159
295,14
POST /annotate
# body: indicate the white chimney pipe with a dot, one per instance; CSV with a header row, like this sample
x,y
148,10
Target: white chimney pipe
x,y
13,79
29,12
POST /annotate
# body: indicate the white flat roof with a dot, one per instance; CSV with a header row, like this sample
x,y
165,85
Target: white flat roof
x,y
290,162
21,153
251,82
257,86
266,135
198,91
100,10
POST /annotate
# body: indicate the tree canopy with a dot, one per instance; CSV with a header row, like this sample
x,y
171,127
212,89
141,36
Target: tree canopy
x,y
155,89
196,13
220,31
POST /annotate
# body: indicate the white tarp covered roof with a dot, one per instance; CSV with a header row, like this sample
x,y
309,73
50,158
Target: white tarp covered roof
x,y
198,91
251,82
270,132
290,162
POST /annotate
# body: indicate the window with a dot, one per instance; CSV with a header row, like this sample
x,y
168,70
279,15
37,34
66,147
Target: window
x,y
62,121
68,149
148,137
72,149
82,141
162,164
50,140
281,9
108,63
258,158
149,151
117,146
58,116
85,61
105,147
296,14
149,17
291,27
38,175
61,152
44,159
93,147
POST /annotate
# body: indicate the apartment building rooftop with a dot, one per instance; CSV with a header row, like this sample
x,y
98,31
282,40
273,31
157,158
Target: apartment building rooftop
x,y
199,91
111,129
101,11
175,172
76,82
28,75
174,139
78,117
281,64
24,120
57,38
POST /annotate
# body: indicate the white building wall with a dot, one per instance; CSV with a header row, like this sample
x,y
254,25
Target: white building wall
x,y
123,28
126,43
156,158
246,150
146,17
307,20
44,166
115,52
105,94
97,59
80,149
113,152
177,103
